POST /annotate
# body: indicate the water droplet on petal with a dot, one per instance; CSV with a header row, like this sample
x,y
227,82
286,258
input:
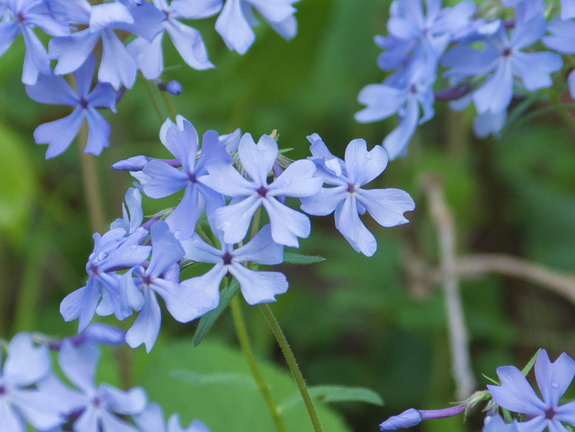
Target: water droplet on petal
x,y
368,156
555,384
133,247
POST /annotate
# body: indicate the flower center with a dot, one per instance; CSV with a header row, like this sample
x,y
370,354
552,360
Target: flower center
x,y
227,258
262,191
550,413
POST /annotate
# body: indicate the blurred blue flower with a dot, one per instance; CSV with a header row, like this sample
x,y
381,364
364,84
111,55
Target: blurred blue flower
x,y
187,40
258,160
117,66
347,198
515,393
402,94
497,424
237,18
152,420
502,60
25,366
256,286
21,17
59,134
99,408
562,39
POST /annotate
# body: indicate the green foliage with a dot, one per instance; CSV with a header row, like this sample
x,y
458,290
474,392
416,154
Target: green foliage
x,y
213,382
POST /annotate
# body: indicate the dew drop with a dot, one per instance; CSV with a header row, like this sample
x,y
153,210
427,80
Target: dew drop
x,y
368,156
133,247
555,384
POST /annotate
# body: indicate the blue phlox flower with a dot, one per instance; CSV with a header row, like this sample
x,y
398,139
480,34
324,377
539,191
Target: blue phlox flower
x,y
425,36
258,161
100,408
117,66
567,9
347,198
112,251
403,93
160,179
21,17
161,277
59,134
256,286
562,39
515,393
237,19
497,424
187,40
152,420
21,401
133,215
502,59
413,417
530,7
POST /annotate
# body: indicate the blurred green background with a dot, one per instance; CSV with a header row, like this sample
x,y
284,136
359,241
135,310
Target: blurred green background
x,y
351,320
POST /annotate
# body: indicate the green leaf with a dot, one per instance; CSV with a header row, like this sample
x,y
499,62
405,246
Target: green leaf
x,y
203,393
529,365
295,258
209,319
334,393
215,379
17,183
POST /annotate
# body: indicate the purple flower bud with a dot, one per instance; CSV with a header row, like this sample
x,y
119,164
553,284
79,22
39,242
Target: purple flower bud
x,y
173,87
413,417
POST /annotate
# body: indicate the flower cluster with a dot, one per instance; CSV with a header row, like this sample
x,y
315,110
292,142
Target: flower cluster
x,y
227,181
31,392
514,395
484,62
77,28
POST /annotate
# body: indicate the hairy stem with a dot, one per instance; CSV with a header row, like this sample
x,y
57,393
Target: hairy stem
x,y
293,366
245,344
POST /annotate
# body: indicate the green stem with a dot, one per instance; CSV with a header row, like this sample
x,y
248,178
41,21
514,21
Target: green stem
x,y
292,363
242,333
154,102
91,185
170,105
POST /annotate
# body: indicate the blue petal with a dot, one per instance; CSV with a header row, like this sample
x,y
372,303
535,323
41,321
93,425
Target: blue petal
x,y
52,89
324,202
103,15
349,224
196,9
234,28
534,68
363,166
287,224
166,250
495,95
261,249
386,206
117,66
148,55
554,378
234,219
188,41
79,364
72,51
259,286
184,302
98,132
258,159
381,100
60,133
147,326
162,180
515,393
296,181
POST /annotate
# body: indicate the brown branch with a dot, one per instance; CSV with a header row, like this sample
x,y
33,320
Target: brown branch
x,y
458,335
